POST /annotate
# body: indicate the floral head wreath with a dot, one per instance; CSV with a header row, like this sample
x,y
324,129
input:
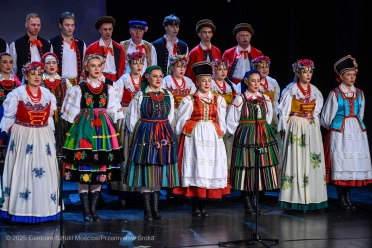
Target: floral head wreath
x,y
85,64
135,56
218,62
174,59
302,64
260,61
30,66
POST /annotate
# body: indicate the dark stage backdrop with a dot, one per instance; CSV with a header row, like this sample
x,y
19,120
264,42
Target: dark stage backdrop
x,y
13,16
284,30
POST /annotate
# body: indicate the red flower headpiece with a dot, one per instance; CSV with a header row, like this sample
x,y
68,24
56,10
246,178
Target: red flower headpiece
x,y
260,60
135,56
218,62
30,66
174,59
302,64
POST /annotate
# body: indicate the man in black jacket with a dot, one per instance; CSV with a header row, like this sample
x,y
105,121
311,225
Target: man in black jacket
x,y
169,44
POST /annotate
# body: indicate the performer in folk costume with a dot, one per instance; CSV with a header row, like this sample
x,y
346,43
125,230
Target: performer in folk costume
x,y
136,43
127,87
346,149
222,86
202,153
241,121
30,47
205,51
31,176
169,44
93,147
8,82
303,185
69,49
178,84
52,81
152,161
110,49
270,87
240,56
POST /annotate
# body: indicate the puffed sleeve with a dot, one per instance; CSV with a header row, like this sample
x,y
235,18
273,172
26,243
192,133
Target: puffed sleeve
x,y
10,106
329,110
277,96
184,113
119,86
53,106
171,113
362,106
114,109
319,104
68,84
134,111
269,107
284,110
71,104
221,113
233,114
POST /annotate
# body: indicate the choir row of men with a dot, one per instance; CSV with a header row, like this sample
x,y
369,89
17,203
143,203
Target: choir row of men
x,y
195,137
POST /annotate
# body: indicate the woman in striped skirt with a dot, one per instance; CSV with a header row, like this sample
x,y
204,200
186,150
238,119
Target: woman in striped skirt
x,y
152,161
241,122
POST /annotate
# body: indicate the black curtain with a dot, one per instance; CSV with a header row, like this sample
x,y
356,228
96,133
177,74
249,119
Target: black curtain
x,y
284,30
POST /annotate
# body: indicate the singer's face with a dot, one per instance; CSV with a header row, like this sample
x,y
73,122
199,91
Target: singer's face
x,y
136,66
253,83
178,70
204,84
155,79
205,34
50,65
95,68
220,73
34,77
6,64
349,77
305,75
264,69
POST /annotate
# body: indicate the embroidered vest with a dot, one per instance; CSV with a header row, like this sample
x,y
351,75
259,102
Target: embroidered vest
x,y
347,108
302,109
32,115
91,100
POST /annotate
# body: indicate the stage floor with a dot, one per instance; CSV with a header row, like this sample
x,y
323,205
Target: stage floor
x,y
327,228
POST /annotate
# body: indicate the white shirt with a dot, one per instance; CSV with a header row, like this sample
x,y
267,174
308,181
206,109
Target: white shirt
x,y
243,65
132,48
170,47
69,62
205,48
110,67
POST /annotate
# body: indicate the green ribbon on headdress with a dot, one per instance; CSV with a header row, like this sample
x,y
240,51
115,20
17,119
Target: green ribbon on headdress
x,y
145,82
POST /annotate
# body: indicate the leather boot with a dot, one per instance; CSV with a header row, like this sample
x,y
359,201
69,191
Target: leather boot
x,y
247,203
195,208
93,205
146,197
84,199
341,198
155,205
255,204
203,212
347,192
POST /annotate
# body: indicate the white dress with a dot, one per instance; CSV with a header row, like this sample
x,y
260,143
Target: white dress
x,y
302,164
349,149
31,175
204,162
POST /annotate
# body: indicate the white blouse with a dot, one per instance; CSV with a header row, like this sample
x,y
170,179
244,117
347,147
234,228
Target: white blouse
x,y
134,109
71,103
286,103
19,94
272,84
187,106
235,110
168,83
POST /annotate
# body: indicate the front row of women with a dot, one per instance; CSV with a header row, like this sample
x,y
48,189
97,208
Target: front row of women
x,y
191,162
